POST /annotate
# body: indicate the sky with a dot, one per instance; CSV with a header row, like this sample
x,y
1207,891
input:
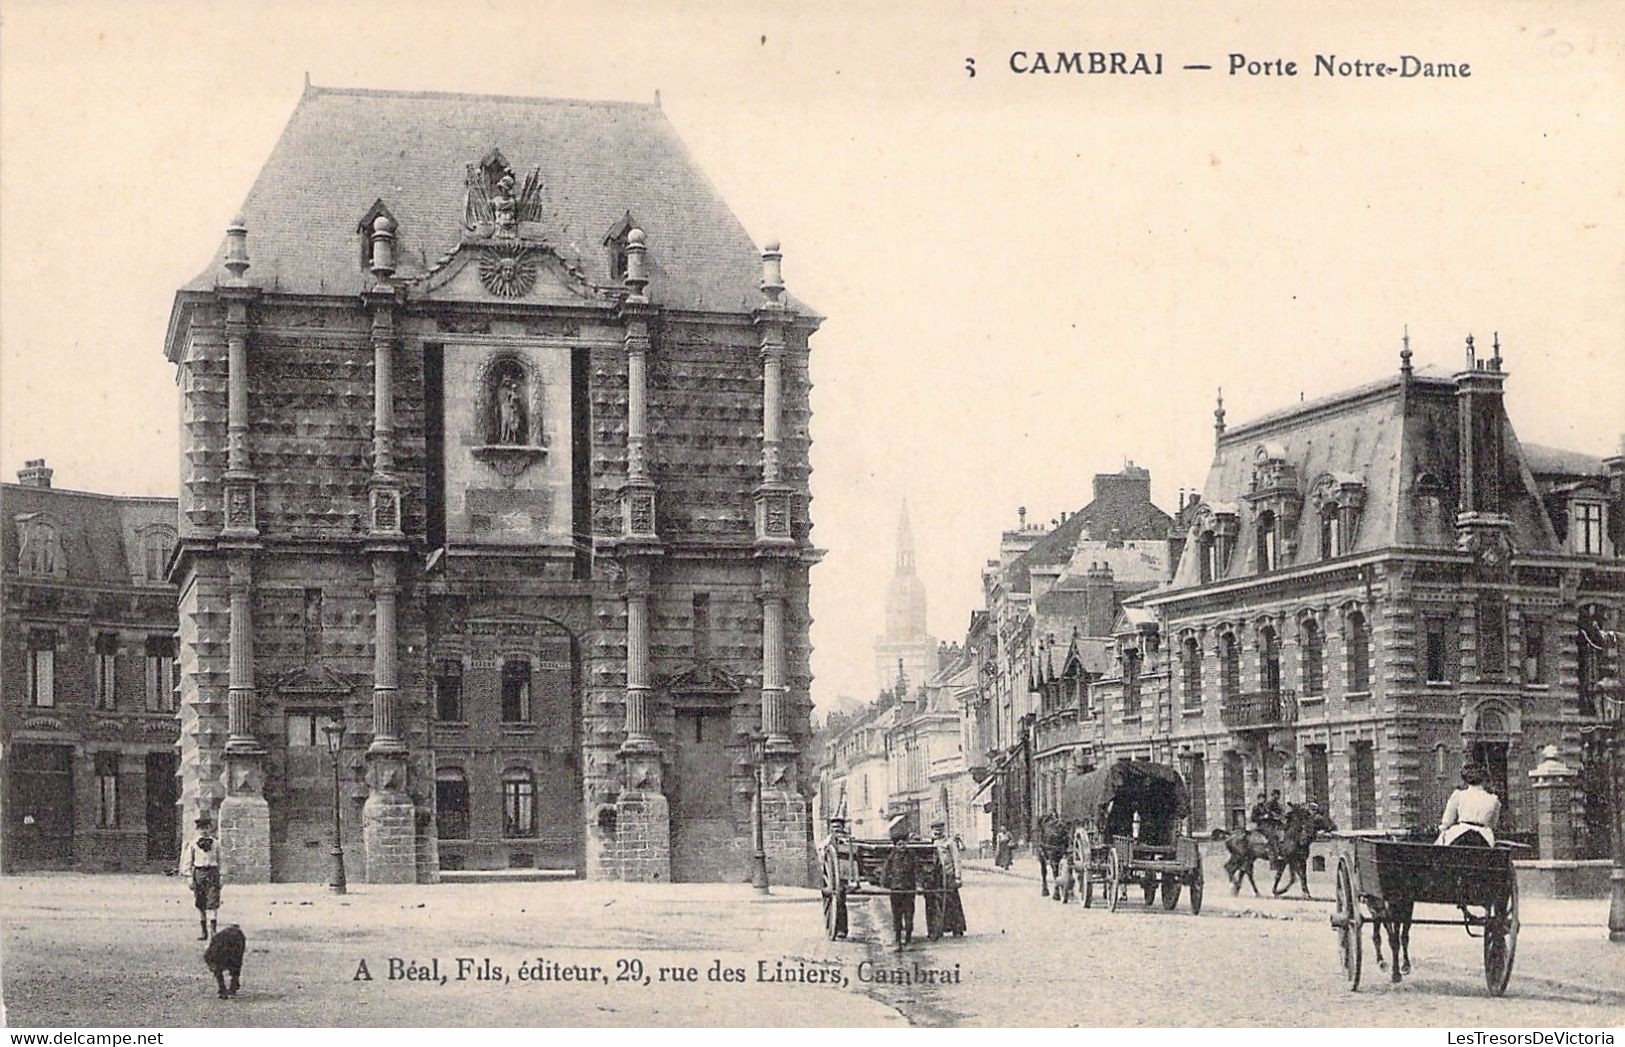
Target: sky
x,y
1028,279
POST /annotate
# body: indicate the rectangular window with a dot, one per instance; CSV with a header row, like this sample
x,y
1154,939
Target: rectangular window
x,y
160,674
106,670
702,626
308,730
107,790
1588,521
1363,783
1492,637
1318,787
1436,651
448,690
451,806
1235,791
1196,781
516,691
1131,683
1534,651
519,806
42,668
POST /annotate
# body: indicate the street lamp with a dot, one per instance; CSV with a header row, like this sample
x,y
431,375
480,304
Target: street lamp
x,y
758,861
335,745
1613,712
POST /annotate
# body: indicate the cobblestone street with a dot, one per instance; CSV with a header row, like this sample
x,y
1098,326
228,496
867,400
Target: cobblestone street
x,y
1026,961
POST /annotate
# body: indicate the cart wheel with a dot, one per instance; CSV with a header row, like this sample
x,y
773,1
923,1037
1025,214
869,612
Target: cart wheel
x,y
1114,880
1080,861
1501,942
1170,892
834,899
1346,919
1196,890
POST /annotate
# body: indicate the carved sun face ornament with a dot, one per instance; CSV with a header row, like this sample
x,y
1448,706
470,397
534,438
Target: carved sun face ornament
x,y
508,271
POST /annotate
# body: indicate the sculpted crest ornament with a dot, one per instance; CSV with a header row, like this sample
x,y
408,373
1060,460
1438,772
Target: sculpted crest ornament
x,y
508,271
491,205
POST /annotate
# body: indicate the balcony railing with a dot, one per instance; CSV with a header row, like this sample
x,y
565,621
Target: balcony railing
x,y
1260,709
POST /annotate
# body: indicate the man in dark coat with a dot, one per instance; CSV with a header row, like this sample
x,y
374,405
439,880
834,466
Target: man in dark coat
x,y
899,877
944,912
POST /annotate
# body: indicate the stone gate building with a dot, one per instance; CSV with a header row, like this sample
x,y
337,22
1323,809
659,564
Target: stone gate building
x,y
494,452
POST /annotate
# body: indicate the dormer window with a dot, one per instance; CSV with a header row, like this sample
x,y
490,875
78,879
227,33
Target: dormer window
x,y
1207,556
615,246
1330,538
364,229
1269,542
1588,527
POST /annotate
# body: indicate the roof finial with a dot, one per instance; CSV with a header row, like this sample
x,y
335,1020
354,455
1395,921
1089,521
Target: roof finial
x,y
1495,361
772,272
635,279
1218,415
1472,354
237,249
1405,353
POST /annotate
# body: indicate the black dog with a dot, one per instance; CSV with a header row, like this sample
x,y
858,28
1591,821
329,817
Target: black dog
x,y
225,953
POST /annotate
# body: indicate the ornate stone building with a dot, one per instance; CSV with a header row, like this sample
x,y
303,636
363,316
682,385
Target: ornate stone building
x,y
906,644
1376,587
494,452
87,655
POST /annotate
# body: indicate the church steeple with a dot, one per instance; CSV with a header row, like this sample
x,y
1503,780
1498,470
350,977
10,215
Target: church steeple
x,y
905,542
905,598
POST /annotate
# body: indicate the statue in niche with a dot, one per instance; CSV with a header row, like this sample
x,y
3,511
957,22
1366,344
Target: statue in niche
x,y
39,549
509,422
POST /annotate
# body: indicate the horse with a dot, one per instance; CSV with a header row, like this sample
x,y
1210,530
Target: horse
x,y
1052,844
1290,855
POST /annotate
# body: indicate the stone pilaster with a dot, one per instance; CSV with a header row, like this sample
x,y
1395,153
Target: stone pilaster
x,y
1553,783
642,813
245,816
239,494
387,818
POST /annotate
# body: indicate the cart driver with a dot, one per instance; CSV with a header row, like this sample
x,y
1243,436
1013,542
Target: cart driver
x,y
1470,813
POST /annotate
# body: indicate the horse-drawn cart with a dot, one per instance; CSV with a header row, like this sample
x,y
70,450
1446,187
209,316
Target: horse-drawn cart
x,y
1381,880
1124,821
852,867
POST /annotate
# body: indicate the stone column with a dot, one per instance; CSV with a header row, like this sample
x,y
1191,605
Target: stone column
x,y
245,816
238,493
1553,783
642,812
388,827
774,725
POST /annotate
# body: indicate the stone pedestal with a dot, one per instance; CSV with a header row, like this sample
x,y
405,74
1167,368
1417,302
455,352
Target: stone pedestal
x,y
245,821
388,823
787,838
642,819
1554,816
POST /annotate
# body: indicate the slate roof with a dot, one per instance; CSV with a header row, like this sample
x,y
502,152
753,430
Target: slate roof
x,y
1556,461
345,148
1364,432
1132,562
99,533
1135,520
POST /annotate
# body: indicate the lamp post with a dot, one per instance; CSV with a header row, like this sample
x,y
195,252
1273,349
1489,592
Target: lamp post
x,y
1609,686
1613,713
335,745
758,861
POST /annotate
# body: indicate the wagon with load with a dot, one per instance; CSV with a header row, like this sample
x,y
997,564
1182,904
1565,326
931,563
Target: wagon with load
x,y
1125,824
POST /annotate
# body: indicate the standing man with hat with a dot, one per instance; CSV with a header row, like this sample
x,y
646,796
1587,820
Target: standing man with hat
x,y
200,864
900,879
944,913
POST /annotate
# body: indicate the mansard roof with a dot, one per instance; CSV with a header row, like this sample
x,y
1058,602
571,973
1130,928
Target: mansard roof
x,y
344,149
1396,438
99,534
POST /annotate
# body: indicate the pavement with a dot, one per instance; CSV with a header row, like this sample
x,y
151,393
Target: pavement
x,y
120,950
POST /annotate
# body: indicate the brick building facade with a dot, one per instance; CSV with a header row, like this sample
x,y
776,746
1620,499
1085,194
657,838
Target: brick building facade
x,y
505,473
1375,588
87,654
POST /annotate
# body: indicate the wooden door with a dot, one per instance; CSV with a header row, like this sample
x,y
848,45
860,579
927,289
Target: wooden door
x,y
41,808
163,838
705,841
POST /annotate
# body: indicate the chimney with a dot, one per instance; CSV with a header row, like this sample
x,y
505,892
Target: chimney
x,y
34,473
1100,604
